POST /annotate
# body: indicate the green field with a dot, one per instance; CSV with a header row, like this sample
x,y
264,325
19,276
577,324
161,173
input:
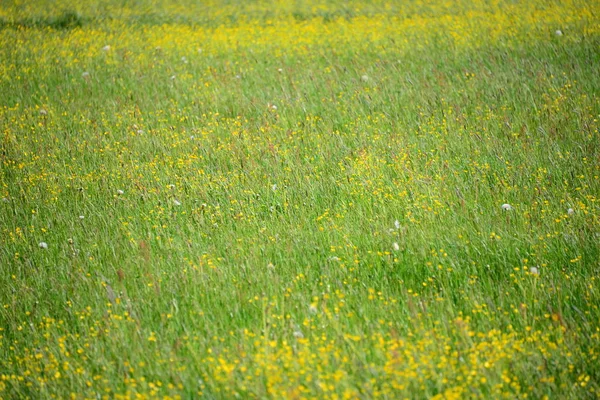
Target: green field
x,y
277,199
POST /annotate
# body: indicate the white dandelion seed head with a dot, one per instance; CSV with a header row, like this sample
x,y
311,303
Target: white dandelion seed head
x,y
396,246
507,207
120,192
176,202
534,271
364,78
397,224
106,48
43,112
558,32
273,107
570,211
43,245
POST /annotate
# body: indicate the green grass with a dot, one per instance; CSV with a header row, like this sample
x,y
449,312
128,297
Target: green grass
x,y
291,201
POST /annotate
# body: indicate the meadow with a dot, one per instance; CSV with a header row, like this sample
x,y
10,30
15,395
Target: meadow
x,y
312,199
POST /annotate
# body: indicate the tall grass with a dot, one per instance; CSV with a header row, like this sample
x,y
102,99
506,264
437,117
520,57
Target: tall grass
x,y
282,200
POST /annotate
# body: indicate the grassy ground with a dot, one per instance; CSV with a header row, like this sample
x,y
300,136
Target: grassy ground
x,y
292,200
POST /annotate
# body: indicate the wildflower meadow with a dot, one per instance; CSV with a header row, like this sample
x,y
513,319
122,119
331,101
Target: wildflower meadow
x,y
300,199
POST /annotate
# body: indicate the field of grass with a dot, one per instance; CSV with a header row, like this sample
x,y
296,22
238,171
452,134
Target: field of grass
x,y
310,199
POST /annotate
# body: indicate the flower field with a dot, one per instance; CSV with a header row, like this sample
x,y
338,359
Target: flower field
x,y
313,199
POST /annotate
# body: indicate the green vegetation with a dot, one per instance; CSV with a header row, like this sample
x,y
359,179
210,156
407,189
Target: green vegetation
x,y
311,200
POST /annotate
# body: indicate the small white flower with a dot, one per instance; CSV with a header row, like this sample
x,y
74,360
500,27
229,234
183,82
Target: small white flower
x,y
534,271
273,107
507,207
106,48
120,192
171,186
279,69
140,132
85,74
43,112
570,211
334,258
558,32
312,309
397,224
298,334
274,187
43,245
192,137
81,217
172,77
238,77
4,199
270,267
176,202
396,246
184,60
364,78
